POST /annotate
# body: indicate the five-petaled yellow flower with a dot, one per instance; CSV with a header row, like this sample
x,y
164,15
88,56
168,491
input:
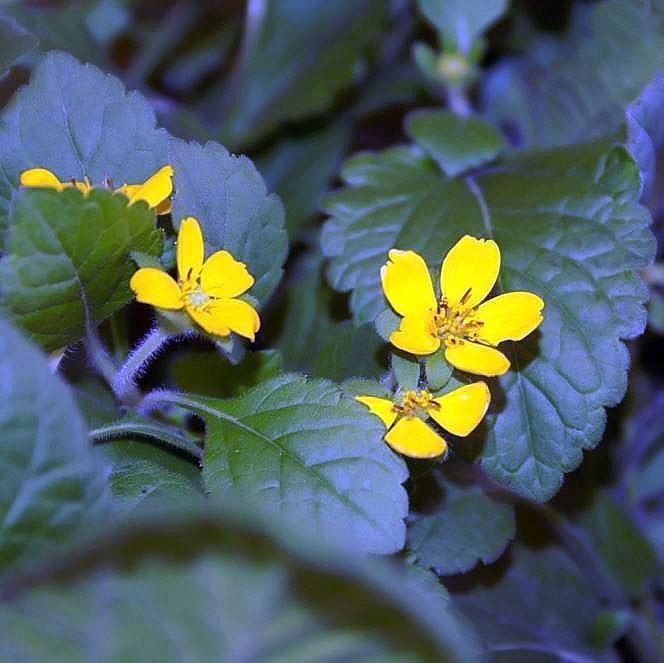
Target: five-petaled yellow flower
x,y
206,289
155,191
468,329
458,412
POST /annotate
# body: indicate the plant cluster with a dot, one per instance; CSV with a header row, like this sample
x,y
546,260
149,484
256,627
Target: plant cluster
x,y
313,316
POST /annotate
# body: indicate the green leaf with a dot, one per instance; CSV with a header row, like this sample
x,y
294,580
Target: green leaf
x,y
298,448
68,260
468,527
211,374
303,54
14,42
542,604
406,370
312,335
627,555
569,228
77,121
146,472
214,586
51,484
144,476
228,197
66,27
461,21
578,87
300,169
456,143
438,372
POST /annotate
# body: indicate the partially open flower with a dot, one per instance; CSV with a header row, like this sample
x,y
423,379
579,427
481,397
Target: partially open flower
x,y
206,289
468,329
155,191
458,412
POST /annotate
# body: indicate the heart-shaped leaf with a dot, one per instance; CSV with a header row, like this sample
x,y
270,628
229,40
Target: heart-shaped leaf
x,y
300,449
569,228
68,261
51,483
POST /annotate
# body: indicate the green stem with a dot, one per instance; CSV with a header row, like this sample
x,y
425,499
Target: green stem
x,y
98,356
171,437
123,382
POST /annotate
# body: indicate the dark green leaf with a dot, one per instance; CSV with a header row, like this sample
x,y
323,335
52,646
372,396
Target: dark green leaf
x,y
214,587
68,260
468,527
211,374
51,484
579,87
540,609
14,42
298,448
228,197
569,228
63,27
302,56
299,169
312,335
625,552
77,121
456,143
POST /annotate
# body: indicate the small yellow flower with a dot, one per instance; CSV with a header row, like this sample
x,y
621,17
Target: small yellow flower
x,y
458,412
468,329
155,191
205,289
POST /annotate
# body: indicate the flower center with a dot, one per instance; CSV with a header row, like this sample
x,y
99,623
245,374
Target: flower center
x,y
454,324
193,294
416,404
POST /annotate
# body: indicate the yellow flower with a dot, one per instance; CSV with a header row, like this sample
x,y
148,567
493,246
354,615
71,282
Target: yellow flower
x,y
155,191
468,329
458,412
205,289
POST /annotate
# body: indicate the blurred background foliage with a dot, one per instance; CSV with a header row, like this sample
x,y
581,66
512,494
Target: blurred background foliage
x,y
299,86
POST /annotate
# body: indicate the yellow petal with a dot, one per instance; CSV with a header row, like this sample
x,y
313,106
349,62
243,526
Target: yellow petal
x,y
511,316
476,358
240,317
407,283
416,335
410,436
381,407
461,410
190,249
152,286
223,276
470,271
209,322
155,191
42,178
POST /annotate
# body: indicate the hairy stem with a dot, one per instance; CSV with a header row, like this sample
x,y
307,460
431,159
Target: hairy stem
x,y
123,382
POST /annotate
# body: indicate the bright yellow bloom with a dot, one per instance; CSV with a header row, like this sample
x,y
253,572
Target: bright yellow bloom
x,y
206,289
155,191
458,412
468,329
